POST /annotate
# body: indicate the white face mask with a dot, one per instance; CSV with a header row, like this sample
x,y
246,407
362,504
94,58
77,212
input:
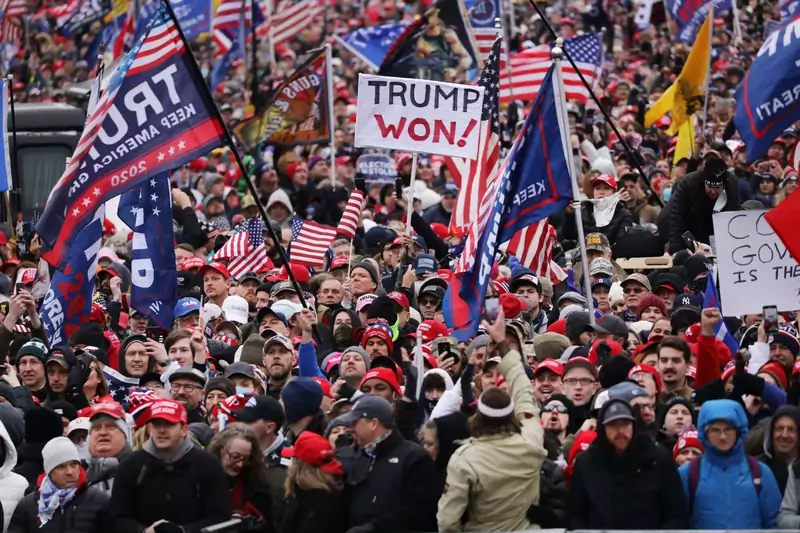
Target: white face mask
x,y
244,390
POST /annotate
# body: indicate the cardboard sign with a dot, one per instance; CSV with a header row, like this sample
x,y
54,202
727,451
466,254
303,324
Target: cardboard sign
x,y
755,269
377,167
418,116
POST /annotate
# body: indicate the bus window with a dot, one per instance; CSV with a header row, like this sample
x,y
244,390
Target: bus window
x,y
40,167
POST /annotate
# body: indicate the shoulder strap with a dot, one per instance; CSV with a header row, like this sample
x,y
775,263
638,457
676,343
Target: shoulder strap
x,y
694,480
755,473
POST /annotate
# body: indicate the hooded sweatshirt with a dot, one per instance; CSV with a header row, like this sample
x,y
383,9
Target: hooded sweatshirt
x,y
778,466
726,496
12,486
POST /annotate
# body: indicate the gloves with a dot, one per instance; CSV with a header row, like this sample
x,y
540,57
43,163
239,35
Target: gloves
x,y
748,383
713,390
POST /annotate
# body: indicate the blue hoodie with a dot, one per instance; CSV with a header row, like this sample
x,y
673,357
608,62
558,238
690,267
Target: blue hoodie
x,y
726,497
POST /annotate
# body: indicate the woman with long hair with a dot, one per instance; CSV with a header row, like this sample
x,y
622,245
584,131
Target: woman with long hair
x,y
96,385
238,451
314,499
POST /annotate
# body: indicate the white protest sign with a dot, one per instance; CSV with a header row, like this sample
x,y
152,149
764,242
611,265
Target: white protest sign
x,y
755,269
418,116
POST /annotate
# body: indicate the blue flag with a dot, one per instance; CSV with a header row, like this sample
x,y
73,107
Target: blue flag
x,y
371,44
154,288
224,64
5,151
766,99
156,115
689,15
534,183
87,12
788,9
68,301
194,16
711,299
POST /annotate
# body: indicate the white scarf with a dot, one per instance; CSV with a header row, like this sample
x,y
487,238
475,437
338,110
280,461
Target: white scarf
x,y
604,209
722,199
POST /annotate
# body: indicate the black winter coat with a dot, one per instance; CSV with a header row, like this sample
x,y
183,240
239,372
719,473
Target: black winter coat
x,y
87,512
313,511
622,219
192,492
690,209
396,491
30,464
551,513
640,490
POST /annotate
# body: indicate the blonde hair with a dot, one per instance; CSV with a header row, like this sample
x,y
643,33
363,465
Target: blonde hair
x,y
139,438
307,476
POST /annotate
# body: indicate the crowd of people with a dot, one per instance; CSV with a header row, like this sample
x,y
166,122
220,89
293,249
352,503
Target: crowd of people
x,y
334,399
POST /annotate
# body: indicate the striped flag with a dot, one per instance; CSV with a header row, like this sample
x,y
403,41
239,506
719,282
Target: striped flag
x,y
5,151
227,22
289,20
533,246
711,299
482,15
351,215
246,251
529,68
310,242
472,175
11,21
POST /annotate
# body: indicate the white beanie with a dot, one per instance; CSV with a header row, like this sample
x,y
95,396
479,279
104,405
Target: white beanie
x,y
58,451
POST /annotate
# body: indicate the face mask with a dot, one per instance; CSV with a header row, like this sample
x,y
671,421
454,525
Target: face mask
x,y
698,285
82,449
343,335
667,194
244,390
430,404
204,72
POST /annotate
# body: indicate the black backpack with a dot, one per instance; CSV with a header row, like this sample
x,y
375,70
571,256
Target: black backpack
x,y
637,241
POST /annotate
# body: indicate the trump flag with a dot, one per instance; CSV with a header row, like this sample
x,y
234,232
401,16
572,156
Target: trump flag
x,y
155,115
533,184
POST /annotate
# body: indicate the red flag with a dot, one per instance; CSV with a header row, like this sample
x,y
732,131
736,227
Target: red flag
x,y
783,220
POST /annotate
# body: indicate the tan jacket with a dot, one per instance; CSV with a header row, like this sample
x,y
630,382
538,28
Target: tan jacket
x,y
495,479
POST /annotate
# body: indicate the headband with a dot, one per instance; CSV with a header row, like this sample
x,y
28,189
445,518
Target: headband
x,y
491,412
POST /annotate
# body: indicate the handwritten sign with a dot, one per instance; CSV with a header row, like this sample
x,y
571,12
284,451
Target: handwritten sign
x,y
755,269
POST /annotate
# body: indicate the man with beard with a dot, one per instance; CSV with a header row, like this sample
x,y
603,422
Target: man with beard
x,y
555,416
547,380
279,359
781,443
248,284
353,366
377,341
186,388
674,355
216,281
625,480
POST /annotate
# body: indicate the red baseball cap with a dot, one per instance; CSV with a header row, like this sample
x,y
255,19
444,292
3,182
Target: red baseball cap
x,y
219,267
647,369
430,329
98,314
27,275
333,360
113,410
168,410
192,262
325,384
316,450
445,274
383,374
608,179
399,298
300,273
339,262
10,263
552,365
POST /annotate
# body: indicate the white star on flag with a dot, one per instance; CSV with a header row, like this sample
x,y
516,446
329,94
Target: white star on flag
x,y
160,156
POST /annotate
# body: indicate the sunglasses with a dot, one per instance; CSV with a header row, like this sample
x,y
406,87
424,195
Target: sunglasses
x,y
561,409
633,290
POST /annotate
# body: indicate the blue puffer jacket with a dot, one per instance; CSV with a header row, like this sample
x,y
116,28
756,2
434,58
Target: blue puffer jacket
x,y
726,497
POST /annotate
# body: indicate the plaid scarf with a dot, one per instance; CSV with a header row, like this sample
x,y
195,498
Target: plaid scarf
x,y
370,449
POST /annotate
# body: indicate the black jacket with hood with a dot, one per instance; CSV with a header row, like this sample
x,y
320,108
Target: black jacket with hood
x,y
640,489
778,466
189,489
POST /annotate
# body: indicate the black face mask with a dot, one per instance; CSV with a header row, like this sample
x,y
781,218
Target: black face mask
x,y
430,404
652,144
698,285
343,335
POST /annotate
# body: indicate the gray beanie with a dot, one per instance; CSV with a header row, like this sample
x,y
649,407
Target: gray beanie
x,y
58,451
478,342
252,350
370,268
360,351
335,423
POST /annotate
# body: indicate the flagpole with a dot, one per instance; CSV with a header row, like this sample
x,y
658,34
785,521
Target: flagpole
x,y
331,118
634,159
14,158
708,72
271,34
254,53
410,199
226,134
502,34
557,53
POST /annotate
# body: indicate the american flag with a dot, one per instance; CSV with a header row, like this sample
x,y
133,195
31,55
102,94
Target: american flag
x,y
351,215
310,241
472,176
289,20
227,22
11,21
246,251
529,68
533,246
119,386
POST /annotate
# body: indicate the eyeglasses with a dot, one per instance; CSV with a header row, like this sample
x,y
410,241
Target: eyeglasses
x,y
188,388
428,303
717,431
561,409
574,381
235,458
633,290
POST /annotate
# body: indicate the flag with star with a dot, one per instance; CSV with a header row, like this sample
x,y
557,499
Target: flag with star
x,y
155,115
119,386
472,175
154,281
246,251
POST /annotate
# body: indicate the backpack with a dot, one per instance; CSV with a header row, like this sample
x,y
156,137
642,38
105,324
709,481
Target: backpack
x,y
694,477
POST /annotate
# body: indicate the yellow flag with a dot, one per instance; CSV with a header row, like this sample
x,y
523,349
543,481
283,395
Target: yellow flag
x,y
685,145
685,96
